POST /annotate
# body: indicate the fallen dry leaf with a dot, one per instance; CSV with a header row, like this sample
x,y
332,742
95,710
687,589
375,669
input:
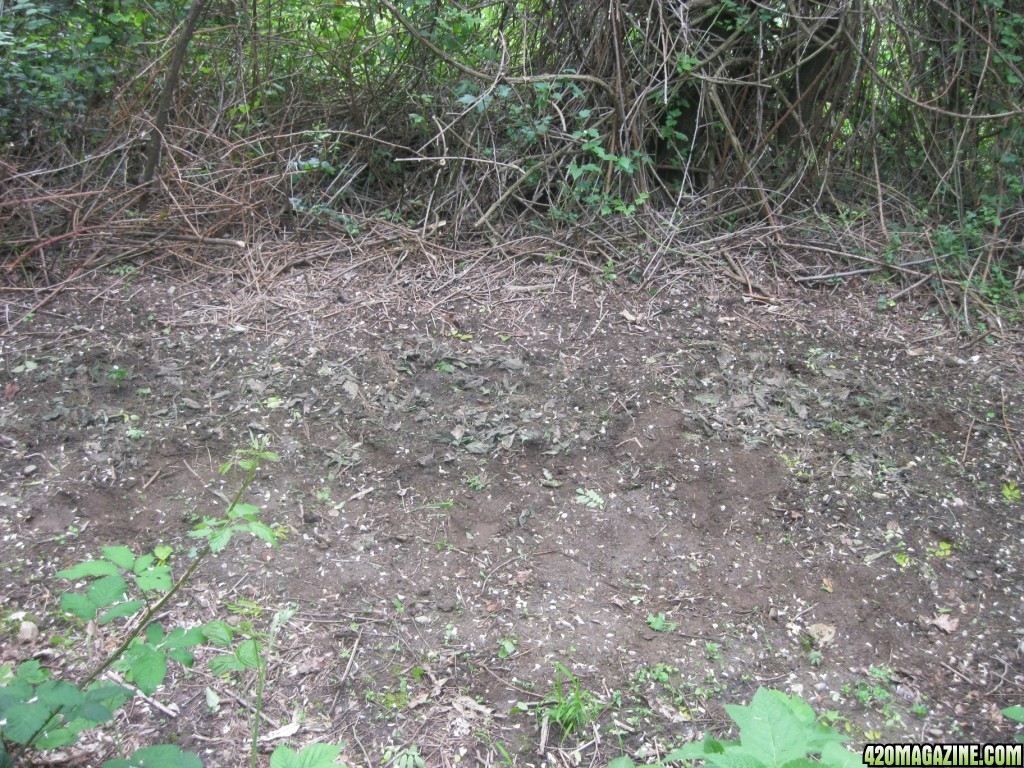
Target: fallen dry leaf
x,y
943,621
823,634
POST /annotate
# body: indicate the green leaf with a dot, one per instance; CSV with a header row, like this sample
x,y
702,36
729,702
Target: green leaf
x,y
24,720
107,590
122,610
186,638
248,653
144,666
1015,713
219,633
159,756
79,605
89,568
779,727
835,755
220,539
183,657
121,556
313,756
225,665
264,532
244,509
737,758
157,579
32,672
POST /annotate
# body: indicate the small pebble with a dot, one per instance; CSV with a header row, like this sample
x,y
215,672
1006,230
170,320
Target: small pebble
x,y
29,470
28,632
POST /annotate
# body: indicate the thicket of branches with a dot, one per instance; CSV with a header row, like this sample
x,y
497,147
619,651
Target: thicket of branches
x,y
243,118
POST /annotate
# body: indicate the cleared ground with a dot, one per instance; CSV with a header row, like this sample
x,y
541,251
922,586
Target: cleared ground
x,y
675,491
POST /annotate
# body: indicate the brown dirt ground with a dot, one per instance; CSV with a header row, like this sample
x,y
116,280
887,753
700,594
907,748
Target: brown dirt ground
x,y
802,493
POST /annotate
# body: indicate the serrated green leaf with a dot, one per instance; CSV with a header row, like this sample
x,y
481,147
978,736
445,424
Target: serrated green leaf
x,y
110,695
121,556
244,509
835,755
32,672
738,757
313,756
695,750
24,720
144,666
779,728
186,638
220,539
89,568
225,665
182,656
154,634
802,762
159,756
79,605
163,552
121,610
262,531
55,738
219,633
142,562
248,653
157,579
107,590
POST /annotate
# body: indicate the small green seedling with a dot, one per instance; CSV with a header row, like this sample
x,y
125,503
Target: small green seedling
x,y
570,706
659,623
507,646
1011,492
589,498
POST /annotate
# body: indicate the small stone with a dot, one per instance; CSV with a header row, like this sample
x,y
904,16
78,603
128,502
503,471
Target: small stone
x,y
29,470
28,632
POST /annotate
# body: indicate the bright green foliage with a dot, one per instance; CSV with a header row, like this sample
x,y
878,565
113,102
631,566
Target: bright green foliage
x,y
240,517
145,660
58,58
313,756
589,498
659,623
570,706
776,730
110,586
1015,713
39,713
51,713
160,756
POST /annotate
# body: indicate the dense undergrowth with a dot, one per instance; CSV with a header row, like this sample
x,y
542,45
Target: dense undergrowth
x,y
883,135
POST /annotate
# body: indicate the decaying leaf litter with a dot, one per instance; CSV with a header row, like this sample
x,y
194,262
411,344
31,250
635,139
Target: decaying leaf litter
x,y
675,492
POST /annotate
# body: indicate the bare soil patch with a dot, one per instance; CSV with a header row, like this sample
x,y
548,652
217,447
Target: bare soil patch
x,y
676,493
